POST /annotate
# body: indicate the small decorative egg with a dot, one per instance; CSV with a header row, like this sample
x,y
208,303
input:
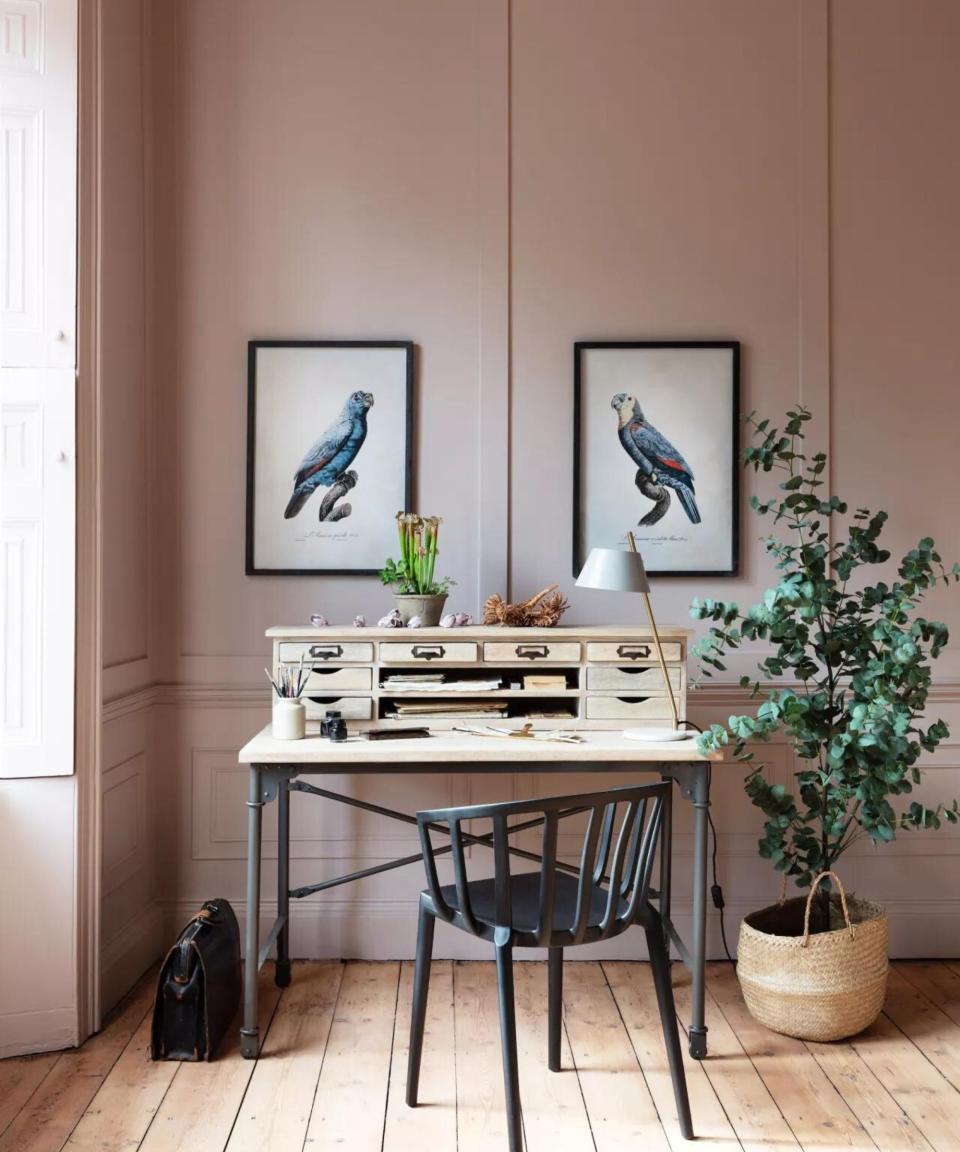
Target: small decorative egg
x,y
415,622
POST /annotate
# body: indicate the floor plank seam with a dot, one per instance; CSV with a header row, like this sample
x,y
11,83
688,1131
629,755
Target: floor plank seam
x,y
939,1071
456,1081
576,1072
636,1054
902,1115
323,1058
39,1085
106,1077
393,1051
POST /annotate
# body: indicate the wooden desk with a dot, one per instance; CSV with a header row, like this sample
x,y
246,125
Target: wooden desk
x,y
275,766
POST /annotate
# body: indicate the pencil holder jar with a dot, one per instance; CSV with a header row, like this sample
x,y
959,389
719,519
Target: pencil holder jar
x,y
289,720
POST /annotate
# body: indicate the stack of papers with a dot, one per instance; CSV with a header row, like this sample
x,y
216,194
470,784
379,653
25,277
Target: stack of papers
x,y
447,686
447,708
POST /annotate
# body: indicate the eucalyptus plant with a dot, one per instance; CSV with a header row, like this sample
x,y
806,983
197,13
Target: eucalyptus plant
x,y
414,572
852,659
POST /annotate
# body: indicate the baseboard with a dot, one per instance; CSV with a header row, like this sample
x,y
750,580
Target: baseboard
x,y
125,957
48,1030
386,930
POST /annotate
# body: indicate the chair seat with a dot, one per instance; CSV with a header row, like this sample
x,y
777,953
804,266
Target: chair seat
x,y
525,900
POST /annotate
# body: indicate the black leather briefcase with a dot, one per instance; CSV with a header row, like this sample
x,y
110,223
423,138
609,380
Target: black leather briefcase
x,y
198,991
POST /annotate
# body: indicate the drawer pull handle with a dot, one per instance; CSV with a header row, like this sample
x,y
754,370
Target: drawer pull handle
x,y
532,651
634,651
327,652
428,651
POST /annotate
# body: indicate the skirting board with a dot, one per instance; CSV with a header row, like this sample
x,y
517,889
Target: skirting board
x,y
386,930
48,1030
125,958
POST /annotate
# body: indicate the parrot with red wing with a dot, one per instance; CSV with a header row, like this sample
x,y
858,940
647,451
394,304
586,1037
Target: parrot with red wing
x,y
660,466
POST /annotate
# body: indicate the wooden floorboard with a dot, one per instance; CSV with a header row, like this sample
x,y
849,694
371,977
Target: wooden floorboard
x,y
332,1072
817,1114
276,1107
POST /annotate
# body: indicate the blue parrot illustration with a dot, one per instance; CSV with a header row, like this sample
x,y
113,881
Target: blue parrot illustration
x,y
327,461
660,466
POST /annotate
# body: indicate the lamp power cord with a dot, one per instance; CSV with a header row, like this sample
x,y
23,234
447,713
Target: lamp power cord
x,y
716,891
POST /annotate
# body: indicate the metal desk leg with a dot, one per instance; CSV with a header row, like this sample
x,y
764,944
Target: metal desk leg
x,y
701,807
250,1033
282,974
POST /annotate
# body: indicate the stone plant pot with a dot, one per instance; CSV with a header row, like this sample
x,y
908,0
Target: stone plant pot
x,y
428,608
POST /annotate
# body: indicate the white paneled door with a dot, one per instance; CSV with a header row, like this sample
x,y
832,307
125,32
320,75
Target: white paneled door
x,y
38,129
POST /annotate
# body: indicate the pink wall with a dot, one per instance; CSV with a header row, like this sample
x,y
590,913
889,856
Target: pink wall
x,y
496,181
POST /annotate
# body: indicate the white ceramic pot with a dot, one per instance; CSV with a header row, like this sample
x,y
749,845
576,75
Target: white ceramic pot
x,y
289,720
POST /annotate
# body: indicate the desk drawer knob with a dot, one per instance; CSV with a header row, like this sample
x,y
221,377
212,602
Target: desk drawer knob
x,y
532,651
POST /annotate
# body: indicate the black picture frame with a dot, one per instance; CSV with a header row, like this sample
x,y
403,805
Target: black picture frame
x,y
253,348
732,346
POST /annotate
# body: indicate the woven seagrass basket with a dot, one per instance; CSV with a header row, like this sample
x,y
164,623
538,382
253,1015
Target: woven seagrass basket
x,y
825,986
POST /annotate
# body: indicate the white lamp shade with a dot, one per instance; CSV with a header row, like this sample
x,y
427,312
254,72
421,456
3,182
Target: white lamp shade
x,y
614,570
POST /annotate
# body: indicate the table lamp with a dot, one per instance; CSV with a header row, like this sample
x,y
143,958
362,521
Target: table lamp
x,y
616,570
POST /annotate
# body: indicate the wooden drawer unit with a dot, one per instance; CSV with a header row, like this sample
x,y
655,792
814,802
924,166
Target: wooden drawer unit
x,y
333,679
426,652
564,652
646,680
642,652
327,651
349,707
624,708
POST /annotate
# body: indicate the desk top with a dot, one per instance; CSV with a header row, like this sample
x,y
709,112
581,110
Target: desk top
x,y
446,747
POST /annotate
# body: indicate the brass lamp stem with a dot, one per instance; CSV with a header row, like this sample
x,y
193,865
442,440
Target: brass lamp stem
x,y
656,643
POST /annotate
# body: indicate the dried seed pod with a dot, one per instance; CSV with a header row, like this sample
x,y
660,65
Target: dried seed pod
x,y
415,622
360,621
319,621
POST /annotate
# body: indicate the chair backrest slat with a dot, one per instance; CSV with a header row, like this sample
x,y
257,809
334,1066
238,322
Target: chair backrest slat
x,y
501,877
606,834
630,866
460,877
548,877
616,869
585,883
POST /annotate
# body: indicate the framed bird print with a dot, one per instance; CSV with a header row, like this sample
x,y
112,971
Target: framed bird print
x,y
656,428
329,454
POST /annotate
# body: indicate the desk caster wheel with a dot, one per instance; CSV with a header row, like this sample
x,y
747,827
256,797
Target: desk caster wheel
x,y
698,1043
281,976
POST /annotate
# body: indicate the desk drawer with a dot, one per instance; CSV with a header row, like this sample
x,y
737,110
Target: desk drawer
x,y
327,652
454,652
349,707
643,679
641,651
330,679
563,652
622,708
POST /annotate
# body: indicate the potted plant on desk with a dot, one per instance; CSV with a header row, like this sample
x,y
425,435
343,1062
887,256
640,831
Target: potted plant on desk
x,y
856,659
418,593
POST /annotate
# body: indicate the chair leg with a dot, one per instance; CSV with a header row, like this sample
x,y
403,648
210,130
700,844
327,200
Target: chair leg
x,y
421,987
554,1006
508,1043
660,962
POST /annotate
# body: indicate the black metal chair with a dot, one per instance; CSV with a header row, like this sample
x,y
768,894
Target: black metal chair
x,y
556,907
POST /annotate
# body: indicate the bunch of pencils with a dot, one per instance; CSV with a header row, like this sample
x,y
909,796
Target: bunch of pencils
x,y
289,680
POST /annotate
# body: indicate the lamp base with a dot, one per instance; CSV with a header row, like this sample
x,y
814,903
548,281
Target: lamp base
x,y
656,735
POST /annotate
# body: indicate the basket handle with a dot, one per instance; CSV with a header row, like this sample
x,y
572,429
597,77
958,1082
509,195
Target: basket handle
x,y
843,903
